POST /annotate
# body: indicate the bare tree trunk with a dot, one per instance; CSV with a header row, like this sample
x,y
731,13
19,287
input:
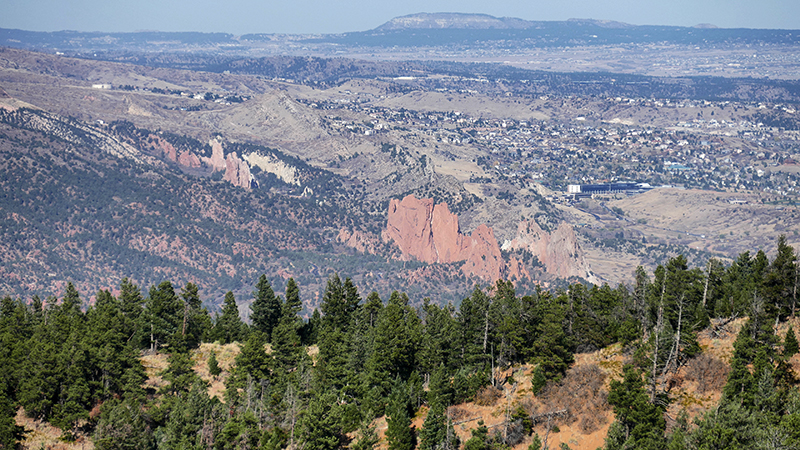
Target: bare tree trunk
x,y
708,277
185,317
657,337
794,292
673,353
486,329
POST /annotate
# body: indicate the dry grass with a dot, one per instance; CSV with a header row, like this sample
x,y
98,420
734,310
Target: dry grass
x,y
226,355
43,435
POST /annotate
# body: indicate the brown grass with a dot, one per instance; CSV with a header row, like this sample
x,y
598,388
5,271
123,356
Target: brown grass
x,y
43,435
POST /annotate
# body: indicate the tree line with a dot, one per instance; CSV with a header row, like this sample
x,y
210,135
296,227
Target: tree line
x,y
320,383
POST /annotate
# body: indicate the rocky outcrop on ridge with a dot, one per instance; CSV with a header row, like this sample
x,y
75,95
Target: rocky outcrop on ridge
x,y
558,251
184,158
430,233
237,171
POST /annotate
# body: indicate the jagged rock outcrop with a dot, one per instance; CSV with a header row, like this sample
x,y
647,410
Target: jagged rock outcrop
x,y
168,151
429,233
217,159
558,251
237,172
358,240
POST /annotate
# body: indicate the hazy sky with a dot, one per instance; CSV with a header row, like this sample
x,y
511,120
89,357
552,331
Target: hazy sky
x,y
335,16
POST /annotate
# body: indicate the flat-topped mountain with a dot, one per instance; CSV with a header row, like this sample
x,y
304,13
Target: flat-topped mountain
x,y
449,20
454,20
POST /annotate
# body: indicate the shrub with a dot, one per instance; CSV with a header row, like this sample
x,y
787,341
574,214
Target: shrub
x,y
709,372
487,396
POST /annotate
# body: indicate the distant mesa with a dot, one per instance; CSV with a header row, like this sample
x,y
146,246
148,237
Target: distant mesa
x,y
432,21
454,21
601,23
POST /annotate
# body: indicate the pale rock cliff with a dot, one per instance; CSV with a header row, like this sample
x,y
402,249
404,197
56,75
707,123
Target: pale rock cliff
x,y
271,164
558,251
217,159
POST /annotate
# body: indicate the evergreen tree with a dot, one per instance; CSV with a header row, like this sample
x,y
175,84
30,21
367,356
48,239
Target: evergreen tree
x,y
479,438
506,332
400,433
643,422
397,340
252,362
180,374
321,425
132,305
779,281
286,346
551,347
437,430
10,432
473,329
122,426
790,346
265,311
163,315
229,327
293,305
213,365
196,325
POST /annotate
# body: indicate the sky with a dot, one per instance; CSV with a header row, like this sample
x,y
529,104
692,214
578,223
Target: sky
x,y
338,16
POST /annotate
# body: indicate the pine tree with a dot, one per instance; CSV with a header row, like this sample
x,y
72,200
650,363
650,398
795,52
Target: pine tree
x,y
434,429
179,373
196,324
642,421
790,346
213,365
122,426
132,305
551,348
265,311
321,425
252,361
293,305
397,340
286,346
400,433
229,328
163,315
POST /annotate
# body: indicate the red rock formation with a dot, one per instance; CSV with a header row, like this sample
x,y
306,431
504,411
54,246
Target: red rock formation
x,y
189,159
167,150
430,234
559,252
237,172
357,240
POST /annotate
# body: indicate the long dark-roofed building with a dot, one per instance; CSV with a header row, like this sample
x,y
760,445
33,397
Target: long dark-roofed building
x,y
588,190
